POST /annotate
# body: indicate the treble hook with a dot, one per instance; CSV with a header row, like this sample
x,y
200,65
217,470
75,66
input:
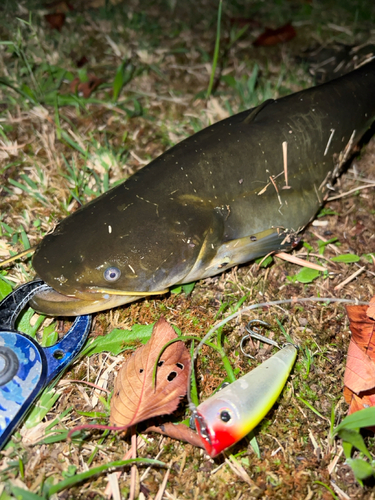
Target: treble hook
x,y
253,333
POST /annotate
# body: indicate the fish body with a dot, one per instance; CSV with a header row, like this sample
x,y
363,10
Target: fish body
x,y
234,191
231,413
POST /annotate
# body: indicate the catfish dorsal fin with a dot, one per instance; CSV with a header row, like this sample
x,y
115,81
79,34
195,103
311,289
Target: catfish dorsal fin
x,y
255,112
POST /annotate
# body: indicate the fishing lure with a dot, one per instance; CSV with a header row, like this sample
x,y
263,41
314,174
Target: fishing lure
x,y
231,413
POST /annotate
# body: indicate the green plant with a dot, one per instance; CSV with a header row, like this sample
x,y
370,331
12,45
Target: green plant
x,y
349,430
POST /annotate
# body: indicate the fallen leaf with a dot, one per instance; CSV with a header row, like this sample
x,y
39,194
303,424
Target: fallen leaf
x,y
358,402
135,398
362,328
273,37
360,370
359,378
56,21
59,6
371,309
85,89
82,62
181,432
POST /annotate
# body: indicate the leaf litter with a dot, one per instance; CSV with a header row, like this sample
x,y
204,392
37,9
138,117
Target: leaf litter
x,y
174,70
140,391
359,378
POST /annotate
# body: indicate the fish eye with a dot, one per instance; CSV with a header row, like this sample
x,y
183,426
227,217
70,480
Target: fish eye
x,y
112,274
225,416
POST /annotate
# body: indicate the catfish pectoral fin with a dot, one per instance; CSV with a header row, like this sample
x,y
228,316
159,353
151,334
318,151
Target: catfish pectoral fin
x,y
243,250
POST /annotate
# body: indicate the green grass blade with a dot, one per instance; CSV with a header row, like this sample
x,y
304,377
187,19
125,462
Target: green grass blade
x,y
193,381
216,52
72,481
22,494
310,406
357,420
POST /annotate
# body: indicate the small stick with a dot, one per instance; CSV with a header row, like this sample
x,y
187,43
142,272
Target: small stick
x,y
127,456
342,495
113,482
360,179
277,191
331,198
329,141
317,195
264,258
351,278
264,189
332,466
17,256
330,245
133,470
300,262
66,381
285,160
266,186
160,493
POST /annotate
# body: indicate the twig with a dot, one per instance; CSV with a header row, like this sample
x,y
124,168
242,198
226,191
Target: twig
x,y
351,278
342,495
300,262
360,179
277,191
331,198
239,470
309,254
160,493
332,466
134,470
329,141
136,157
66,381
144,475
264,258
330,245
127,456
113,482
285,160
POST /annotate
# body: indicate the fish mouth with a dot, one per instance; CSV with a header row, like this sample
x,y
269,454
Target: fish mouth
x,y
53,303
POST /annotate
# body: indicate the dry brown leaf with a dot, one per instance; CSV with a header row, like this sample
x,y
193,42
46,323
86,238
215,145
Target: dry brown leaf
x,y
359,375
85,88
135,398
357,403
360,370
371,309
56,21
362,328
59,6
272,37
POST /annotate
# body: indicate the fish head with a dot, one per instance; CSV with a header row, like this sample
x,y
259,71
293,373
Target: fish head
x,y
102,256
219,424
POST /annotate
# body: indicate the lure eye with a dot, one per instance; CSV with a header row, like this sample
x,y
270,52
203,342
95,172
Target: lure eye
x,y
112,274
225,416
